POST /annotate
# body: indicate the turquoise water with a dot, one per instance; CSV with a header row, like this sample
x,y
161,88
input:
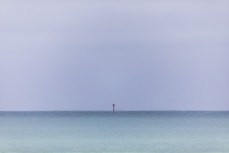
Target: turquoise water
x,y
118,132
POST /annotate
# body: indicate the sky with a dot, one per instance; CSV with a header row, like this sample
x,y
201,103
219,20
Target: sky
x,y
138,54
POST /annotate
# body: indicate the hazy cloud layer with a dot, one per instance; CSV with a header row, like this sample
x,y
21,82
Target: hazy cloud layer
x,y
88,54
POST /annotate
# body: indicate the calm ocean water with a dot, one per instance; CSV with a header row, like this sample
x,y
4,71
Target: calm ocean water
x,y
114,132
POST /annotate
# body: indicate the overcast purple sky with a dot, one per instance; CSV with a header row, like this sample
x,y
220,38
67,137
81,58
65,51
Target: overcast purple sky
x,y
138,54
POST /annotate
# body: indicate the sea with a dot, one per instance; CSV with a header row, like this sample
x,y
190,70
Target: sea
x,y
114,132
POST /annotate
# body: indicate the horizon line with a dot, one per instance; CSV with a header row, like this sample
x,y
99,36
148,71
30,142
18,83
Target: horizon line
x,y
115,111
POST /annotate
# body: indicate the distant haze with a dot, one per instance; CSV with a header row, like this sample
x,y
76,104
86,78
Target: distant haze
x,y
89,54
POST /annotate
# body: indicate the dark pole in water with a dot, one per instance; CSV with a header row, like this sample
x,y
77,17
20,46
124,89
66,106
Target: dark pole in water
x,y
113,107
